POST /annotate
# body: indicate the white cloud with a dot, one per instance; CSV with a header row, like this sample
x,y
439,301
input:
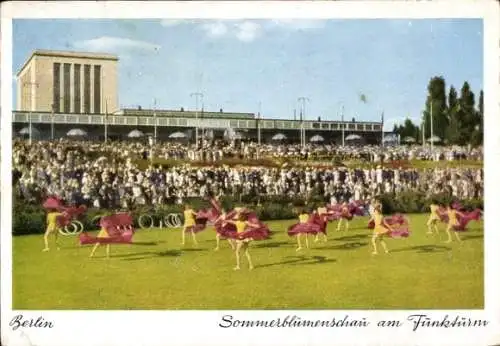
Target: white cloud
x,y
115,45
247,31
215,29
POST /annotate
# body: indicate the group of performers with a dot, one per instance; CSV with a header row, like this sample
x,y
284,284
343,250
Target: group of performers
x,y
241,226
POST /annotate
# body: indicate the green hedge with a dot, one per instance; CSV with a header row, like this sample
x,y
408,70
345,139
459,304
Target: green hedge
x,y
29,219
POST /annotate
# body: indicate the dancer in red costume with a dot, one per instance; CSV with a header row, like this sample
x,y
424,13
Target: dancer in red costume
x,y
453,223
244,227
58,216
381,229
321,219
242,243
304,227
218,224
115,229
344,216
457,220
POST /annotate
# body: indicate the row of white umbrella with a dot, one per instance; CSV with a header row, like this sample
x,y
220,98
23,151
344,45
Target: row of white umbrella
x,y
82,133
232,134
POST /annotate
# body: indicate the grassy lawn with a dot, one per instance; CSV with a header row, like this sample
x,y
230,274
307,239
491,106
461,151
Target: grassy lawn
x,y
421,272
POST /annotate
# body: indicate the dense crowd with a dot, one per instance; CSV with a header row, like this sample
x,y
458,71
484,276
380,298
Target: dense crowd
x,y
80,174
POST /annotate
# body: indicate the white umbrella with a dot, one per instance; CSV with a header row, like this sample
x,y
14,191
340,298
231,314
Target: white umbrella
x,y
76,133
352,137
391,138
26,131
434,139
237,135
409,139
177,135
317,138
135,134
279,137
232,134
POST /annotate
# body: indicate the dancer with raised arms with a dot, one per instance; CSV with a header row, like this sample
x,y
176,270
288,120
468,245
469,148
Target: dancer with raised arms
x,y
218,229
243,237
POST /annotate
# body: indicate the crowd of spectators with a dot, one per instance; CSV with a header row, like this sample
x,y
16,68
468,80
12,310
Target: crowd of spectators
x,y
108,176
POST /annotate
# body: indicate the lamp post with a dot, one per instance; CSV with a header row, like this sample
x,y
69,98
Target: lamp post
x,y
258,130
303,100
156,121
342,124
197,95
432,132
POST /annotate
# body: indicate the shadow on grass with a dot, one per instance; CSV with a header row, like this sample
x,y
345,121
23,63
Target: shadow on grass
x,y
346,246
146,243
317,260
272,244
169,253
300,260
424,248
467,237
352,237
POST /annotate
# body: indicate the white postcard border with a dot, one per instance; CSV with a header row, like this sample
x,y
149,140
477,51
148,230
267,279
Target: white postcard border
x,y
201,327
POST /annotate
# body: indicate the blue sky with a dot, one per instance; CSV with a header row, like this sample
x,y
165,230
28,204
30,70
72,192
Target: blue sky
x,y
238,64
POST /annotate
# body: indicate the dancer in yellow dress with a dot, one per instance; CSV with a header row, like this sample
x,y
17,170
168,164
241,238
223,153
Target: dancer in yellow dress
x,y
380,230
303,218
433,218
103,234
218,225
322,211
189,223
344,216
52,227
452,222
242,244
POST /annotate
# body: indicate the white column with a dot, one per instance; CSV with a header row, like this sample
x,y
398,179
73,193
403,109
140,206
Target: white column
x,y
33,88
82,68
91,89
71,88
61,87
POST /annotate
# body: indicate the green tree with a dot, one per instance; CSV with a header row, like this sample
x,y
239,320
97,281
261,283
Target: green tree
x,y
467,114
453,129
477,134
436,104
408,129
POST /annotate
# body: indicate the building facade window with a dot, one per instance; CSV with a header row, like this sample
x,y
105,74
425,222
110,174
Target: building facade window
x,y
76,88
86,89
97,89
67,88
56,87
